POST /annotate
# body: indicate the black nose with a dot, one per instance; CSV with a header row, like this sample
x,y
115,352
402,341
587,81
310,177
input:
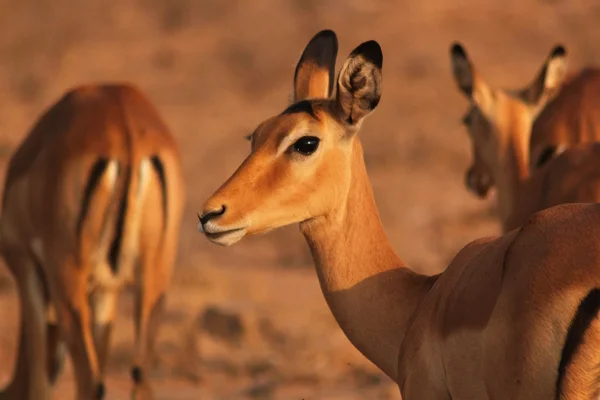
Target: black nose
x,y
211,214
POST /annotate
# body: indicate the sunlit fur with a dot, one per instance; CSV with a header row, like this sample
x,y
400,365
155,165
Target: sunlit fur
x,y
495,325
263,193
92,203
500,124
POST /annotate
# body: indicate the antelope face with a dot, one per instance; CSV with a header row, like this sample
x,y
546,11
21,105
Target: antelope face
x,y
479,178
498,120
300,161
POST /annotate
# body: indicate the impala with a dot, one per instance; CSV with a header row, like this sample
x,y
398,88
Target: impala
x,y
500,124
512,317
570,118
92,203
548,116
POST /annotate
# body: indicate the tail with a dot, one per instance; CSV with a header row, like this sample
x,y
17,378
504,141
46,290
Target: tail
x,y
579,368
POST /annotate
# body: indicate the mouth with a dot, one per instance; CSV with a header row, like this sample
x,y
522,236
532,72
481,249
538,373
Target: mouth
x,y
476,186
223,237
479,192
227,238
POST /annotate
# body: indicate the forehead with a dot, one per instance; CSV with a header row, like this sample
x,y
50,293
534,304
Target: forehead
x,y
301,118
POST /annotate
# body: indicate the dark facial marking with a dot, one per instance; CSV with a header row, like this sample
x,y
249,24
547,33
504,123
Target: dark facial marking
x,y
303,106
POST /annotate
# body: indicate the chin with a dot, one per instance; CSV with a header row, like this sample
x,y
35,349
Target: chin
x,y
480,193
226,238
483,195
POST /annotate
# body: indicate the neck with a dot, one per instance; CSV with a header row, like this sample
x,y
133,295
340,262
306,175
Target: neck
x,y
369,290
512,173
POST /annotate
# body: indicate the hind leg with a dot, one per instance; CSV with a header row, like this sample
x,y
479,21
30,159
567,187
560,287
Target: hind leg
x,y
57,352
153,327
149,307
103,302
30,380
73,311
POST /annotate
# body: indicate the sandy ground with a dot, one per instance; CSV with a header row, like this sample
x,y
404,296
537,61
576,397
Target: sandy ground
x,y
215,69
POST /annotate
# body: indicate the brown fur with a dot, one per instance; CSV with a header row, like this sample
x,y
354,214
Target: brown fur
x,y
52,236
572,177
500,124
571,118
493,325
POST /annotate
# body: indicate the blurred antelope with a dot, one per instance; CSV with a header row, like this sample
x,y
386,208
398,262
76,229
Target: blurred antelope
x,y
572,117
92,203
563,122
513,317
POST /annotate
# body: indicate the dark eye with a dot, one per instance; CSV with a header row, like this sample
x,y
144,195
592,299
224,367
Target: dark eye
x,y
466,120
306,145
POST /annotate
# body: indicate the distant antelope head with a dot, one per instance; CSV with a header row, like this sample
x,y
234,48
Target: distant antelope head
x,y
499,121
299,165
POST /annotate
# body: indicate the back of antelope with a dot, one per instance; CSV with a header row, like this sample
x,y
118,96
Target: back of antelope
x,y
92,203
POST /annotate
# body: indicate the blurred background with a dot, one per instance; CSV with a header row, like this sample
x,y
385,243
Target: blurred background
x,y
249,321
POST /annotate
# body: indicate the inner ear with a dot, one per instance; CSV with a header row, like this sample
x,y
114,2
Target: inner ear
x,y
359,83
314,75
550,77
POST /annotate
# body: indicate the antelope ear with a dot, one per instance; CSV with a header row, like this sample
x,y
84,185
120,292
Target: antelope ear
x,y
551,76
359,83
468,79
315,71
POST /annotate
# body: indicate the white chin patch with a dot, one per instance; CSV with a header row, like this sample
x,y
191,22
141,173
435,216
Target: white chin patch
x,y
200,228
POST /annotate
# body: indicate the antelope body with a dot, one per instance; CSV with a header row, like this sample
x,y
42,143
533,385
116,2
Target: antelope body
x,y
92,203
513,317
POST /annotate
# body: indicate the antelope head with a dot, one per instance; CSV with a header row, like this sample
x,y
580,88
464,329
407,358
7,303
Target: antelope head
x,y
300,163
498,120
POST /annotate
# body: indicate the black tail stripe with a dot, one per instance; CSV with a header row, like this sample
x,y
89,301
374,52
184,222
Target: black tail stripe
x,y
159,168
96,173
586,312
115,247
